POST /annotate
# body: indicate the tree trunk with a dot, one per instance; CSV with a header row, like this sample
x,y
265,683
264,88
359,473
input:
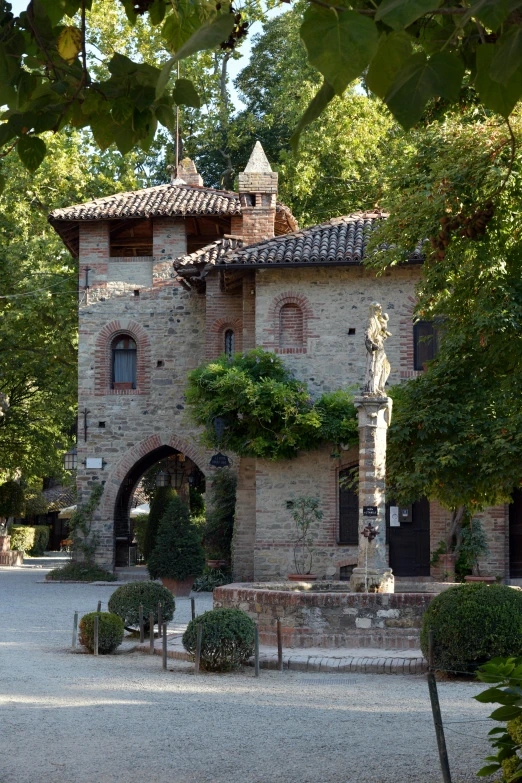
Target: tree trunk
x,y
455,529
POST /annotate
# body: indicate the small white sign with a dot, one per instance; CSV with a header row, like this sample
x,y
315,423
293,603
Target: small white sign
x,y
394,516
94,462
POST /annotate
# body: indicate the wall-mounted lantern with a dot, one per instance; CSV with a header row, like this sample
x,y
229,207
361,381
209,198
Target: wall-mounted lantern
x,y
70,459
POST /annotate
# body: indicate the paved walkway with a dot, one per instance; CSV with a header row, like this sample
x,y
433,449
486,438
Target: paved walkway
x,y
313,659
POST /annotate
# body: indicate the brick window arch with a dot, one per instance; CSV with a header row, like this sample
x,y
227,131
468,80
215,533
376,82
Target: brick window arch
x,y
110,369
230,342
225,336
288,325
291,326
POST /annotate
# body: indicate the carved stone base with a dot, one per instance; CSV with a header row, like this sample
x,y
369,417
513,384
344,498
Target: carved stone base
x,y
372,581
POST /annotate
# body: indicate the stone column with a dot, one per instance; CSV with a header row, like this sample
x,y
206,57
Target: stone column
x,y
372,575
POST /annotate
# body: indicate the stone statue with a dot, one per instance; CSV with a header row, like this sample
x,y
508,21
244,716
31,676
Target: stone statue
x,y
377,364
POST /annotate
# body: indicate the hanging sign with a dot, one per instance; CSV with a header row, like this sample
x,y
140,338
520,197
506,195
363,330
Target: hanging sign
x,y
220,461
369,511
394,516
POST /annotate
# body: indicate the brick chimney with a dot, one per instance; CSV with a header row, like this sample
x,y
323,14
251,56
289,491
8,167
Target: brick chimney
x,y
257,193
188,172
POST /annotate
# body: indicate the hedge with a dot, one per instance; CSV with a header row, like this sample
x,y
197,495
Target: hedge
x,y
126,600
227,638
110,631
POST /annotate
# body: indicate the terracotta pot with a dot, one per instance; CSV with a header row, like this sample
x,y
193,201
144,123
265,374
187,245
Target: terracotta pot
x,y
487,579
302,577
181,588
447,565
123,386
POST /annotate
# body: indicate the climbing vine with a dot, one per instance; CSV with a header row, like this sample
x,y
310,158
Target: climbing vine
x,y
263,410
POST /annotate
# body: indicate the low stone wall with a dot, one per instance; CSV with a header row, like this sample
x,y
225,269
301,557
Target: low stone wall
x,y
328,616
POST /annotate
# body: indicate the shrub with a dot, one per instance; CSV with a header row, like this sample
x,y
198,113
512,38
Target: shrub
x,y
140,530
178,553
158,506
41,539
110,631
473,623
212,578
219,528
22,537
81,572
227,639
11,499
126,600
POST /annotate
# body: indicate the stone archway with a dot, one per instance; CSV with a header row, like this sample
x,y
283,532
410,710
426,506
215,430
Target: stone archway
x,y
126,476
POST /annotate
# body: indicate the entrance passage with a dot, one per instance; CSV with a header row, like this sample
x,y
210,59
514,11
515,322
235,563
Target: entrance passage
x,y
515,535
410,541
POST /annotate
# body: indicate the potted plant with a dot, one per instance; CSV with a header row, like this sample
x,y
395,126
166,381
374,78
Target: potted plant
x,y
178,557
473,544
305,513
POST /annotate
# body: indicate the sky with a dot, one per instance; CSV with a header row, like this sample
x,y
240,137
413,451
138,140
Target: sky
x,y
234,67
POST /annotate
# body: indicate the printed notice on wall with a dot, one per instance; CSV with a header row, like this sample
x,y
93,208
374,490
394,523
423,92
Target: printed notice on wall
x,y
394,516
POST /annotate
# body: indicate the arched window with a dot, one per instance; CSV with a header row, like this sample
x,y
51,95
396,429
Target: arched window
x,y
348,507
290,326
229,342
124,363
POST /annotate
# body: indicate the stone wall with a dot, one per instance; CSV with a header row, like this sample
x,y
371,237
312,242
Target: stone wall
x,y
330,619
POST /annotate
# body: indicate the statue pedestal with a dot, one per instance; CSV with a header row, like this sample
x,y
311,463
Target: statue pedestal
x,y
372,573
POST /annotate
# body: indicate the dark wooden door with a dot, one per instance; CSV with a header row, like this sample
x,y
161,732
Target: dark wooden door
x,y
410,542
515,535
348,509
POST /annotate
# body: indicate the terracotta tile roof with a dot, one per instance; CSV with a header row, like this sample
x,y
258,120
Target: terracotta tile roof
x,y
342,240
161,200
60,497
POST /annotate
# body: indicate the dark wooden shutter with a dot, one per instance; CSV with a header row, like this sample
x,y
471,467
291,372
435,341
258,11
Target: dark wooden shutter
x,y
348,511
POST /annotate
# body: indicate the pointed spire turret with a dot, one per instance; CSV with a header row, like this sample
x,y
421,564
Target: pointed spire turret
x,y
258,193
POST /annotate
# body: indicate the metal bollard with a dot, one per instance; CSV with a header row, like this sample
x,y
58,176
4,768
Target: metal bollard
x,y
279,647
142,626
99,607
96,633
75,631
151,631
193,607
160,619
198,649
256,652
164,647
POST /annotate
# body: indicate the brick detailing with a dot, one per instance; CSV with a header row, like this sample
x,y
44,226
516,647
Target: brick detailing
x,y
103,358
224,311
121,469
257,194
94,255
330,617
249,311
406,340
289,316
188,172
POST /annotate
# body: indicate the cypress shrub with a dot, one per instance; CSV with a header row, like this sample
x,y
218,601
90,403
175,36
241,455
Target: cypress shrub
x,y
158,506
41,539
126,600
219,528
178,552
110,631
227,638
473,623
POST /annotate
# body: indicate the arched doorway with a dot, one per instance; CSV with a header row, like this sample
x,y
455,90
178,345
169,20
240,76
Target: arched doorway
x,y
122,525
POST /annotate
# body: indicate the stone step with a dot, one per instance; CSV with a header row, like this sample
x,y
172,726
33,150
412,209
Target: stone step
x,y
133,574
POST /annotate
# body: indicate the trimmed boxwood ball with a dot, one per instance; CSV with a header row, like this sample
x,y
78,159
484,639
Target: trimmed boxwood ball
x,y
227,638
126,600
473,623
110,631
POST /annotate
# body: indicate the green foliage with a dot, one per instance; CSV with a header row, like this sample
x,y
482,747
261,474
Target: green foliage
x,y
36,503
212,578
473,544
84,540
126,600
197,502
110,632
305,513
81,572
268,413
178,553
504,675
227,639
41,539
158,506
11,499
472,623
140,531
219,527
22,537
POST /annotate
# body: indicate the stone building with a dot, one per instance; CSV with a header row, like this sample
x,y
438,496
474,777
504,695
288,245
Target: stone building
x,y
173,275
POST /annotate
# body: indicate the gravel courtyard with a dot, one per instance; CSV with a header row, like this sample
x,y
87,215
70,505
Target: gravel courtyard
x,y
72,718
